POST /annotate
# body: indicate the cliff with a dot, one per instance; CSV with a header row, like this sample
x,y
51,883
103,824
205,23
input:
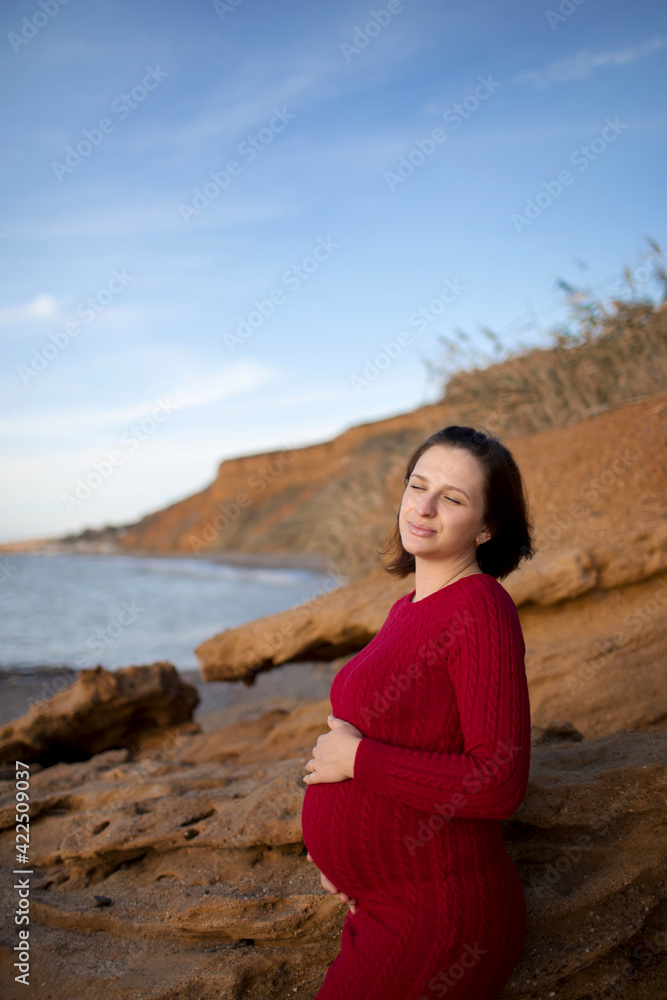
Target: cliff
x,y
333,503
167,857
337,499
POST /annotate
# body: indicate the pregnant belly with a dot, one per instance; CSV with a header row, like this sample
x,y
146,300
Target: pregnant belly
x,y
364,842
337,828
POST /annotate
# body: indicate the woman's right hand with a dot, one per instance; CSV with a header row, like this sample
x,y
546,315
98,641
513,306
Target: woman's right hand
x,y
330,887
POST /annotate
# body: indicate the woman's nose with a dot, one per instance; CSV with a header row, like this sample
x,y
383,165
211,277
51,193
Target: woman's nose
x,y
425,505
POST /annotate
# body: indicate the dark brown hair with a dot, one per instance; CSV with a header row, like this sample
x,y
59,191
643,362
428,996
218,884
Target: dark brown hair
x,y
505,505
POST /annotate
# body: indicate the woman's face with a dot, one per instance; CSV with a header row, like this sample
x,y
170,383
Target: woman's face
x,y
442,511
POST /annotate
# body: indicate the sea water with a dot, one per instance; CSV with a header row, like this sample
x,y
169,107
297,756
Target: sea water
x,y
82,610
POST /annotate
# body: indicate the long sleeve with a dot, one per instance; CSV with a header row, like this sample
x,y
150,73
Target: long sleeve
x,y
488,780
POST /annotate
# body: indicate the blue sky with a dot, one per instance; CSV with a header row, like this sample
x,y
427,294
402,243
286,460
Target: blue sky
x,y
217,215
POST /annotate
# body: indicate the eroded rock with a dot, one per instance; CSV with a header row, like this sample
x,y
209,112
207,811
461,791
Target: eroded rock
x,y
200,847
325,627
100,710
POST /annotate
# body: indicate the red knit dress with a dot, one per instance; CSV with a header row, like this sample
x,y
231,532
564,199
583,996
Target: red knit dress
x,y
441,696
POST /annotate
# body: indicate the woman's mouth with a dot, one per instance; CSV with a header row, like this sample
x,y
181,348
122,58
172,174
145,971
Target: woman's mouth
x,y
417,529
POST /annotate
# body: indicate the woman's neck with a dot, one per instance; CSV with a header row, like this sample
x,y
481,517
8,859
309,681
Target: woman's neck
x,y
429,577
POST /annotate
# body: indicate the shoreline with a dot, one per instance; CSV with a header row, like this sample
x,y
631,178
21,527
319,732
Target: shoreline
x,y
260,560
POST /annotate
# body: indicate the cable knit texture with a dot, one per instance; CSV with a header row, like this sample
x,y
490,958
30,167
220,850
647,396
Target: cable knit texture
x,y
441,696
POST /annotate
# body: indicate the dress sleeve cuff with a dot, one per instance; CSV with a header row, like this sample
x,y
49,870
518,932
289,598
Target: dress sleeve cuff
x,y
369,761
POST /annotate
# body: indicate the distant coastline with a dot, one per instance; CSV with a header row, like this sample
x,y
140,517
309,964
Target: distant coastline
x,y
106,547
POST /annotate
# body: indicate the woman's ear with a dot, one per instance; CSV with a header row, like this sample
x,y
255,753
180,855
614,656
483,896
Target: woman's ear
x,y
483,536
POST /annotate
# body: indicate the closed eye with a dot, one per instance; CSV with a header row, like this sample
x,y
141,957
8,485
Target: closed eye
x,y
412,486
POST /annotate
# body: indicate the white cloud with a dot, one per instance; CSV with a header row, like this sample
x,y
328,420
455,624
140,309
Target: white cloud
x,y
140,219
585,63
240,107
239,378
236,379
42,307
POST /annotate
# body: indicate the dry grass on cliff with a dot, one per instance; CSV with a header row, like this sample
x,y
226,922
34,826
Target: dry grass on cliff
x,y
339,499
623,361
606,357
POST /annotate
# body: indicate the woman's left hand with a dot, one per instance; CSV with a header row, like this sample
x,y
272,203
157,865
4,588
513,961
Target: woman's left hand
x,y
333,757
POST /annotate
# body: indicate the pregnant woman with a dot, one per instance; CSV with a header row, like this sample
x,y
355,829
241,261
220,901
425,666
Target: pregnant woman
x,y
429,745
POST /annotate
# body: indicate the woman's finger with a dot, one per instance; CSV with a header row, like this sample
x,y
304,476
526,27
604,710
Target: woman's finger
x,y
345,898
352,903
327,883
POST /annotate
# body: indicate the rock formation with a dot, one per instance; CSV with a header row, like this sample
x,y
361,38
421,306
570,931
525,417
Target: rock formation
x,y
325,627
100,710
592,601
179,870
167,862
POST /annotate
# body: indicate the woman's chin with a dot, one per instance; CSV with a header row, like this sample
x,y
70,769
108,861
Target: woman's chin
x,y
416,544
